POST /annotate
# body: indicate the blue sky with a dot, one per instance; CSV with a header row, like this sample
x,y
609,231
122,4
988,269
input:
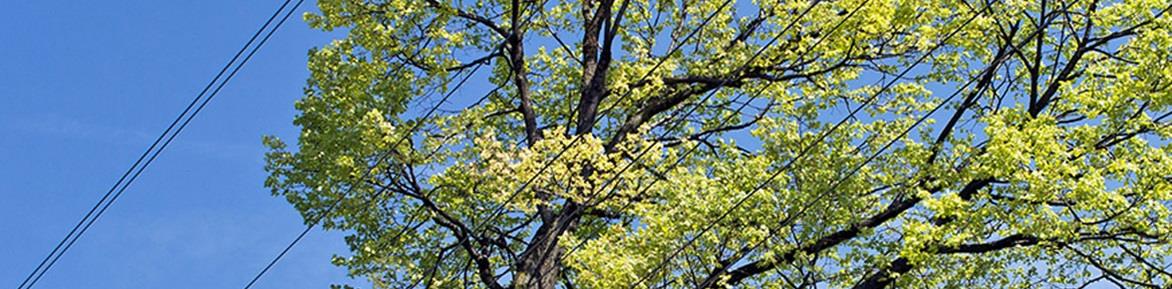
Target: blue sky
x,y
85,86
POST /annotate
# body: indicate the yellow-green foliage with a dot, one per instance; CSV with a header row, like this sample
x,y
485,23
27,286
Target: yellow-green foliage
x,y
1050,167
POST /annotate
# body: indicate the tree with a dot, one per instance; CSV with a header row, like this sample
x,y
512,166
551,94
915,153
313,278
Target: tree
x,y
768,143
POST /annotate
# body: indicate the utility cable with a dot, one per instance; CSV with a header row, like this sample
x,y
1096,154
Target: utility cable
x,y
149,155
803,152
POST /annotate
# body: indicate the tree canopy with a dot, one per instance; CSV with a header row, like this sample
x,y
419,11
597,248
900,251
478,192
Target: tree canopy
x,y
723,143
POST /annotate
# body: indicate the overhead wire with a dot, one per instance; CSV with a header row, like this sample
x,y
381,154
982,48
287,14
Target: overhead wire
x,y
314,221
803,152
839,181
741,68
496,211
479,229
152,152
737,112
708,96
329,209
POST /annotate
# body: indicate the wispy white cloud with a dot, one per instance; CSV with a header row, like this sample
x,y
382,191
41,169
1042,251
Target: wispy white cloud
x,y
59,126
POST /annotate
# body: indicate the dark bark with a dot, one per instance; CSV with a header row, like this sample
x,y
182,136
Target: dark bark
x,y
892,211
520,75
539,266
596,59
540,263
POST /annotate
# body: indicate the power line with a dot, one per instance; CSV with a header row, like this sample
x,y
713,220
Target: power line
x,y
723,122
500,209
143,160
560,153
367,173
823,193
741,68
317,219
672,51
803,209
802,153
496,211
709,95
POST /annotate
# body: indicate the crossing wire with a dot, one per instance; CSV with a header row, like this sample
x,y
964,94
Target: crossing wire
x,y
707,97
803,209
151,153
479,229
672,51
802,153
383,157
723,122
317,219
496,211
